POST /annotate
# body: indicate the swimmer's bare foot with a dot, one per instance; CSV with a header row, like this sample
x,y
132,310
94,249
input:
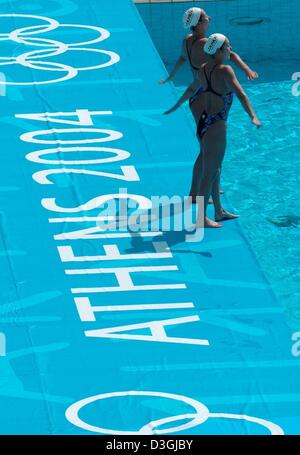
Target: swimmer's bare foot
x,y
223,216
209,224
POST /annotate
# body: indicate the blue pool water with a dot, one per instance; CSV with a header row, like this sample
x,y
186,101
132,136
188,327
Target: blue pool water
x,y
114,332
261,178
261,168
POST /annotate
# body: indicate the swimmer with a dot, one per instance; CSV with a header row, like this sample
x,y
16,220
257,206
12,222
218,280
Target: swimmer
x,y
192,52
211,106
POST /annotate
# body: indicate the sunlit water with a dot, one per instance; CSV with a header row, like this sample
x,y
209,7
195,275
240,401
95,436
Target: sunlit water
x,y
262,183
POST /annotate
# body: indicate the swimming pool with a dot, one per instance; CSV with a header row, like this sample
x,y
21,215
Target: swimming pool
x,y
260,174
261,178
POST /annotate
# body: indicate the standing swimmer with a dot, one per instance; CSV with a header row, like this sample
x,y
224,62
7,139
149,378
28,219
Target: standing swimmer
x,y
192,45
193,52
211,107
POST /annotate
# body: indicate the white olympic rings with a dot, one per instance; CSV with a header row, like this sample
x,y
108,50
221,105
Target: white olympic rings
x,y
201,415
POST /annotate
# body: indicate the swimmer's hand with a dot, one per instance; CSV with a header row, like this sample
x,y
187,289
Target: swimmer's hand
x,y
164,81
256,122
251,75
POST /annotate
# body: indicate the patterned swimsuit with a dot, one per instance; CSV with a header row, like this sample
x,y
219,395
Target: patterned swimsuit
x,y
206,120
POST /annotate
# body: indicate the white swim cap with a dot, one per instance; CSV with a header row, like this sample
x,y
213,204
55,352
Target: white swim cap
x,y
214,42
191,17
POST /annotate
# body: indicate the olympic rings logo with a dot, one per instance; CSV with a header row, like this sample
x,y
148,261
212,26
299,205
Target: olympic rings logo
x,y
200,415
51,48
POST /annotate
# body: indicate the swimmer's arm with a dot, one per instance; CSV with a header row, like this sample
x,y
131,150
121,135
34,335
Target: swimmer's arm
x,y
184,97
234,86
180,61
235,58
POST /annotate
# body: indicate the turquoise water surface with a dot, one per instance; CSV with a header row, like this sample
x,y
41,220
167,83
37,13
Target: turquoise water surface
x,y
261,178
262,183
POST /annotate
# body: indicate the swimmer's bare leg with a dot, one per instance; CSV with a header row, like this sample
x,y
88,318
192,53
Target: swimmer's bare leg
x,y
197,171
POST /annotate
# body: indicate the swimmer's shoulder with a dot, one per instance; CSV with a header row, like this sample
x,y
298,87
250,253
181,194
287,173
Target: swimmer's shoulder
x,y
226,70
200,43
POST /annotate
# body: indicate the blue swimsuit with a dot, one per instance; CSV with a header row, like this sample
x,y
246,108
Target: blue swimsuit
x,y
206,120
